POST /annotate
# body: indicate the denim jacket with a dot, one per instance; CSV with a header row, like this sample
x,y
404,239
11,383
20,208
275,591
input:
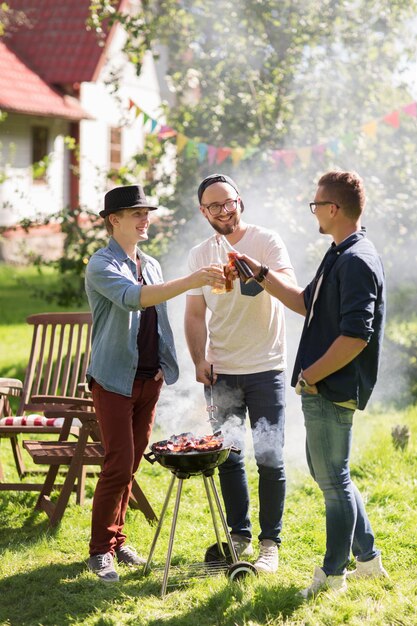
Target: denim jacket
x,y
113,293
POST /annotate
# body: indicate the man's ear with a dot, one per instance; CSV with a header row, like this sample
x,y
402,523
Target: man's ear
x,y
113,219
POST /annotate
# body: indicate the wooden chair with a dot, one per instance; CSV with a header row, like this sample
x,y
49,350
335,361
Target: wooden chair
x,y
87,450
54,387
58,362
75,455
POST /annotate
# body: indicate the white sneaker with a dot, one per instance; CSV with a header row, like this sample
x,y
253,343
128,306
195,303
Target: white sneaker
x,y
243,545
267,560
368,569
321,582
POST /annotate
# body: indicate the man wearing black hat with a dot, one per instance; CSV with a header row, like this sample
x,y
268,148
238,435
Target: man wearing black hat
x,y
132,354
246,349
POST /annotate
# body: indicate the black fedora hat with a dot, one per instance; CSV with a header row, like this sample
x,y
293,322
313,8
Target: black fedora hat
x,y
130,197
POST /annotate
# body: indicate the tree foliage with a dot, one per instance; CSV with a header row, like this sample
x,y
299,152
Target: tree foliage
x,y
264,76
267,75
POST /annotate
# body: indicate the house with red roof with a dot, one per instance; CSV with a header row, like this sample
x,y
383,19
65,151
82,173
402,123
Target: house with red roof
x,y
55,93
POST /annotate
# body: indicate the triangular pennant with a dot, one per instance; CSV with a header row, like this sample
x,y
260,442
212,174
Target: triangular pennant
x,y
277,156
222,154
319,150
411,109
154,124
201,151
348,138
212,153
333,146
250,152
393,119
165,132
237,155
131,104
370,128
190,149
289,156
304,154
181,142
146,117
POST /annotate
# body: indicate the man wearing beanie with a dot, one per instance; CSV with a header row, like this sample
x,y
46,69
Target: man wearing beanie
x,y
247,354
132,354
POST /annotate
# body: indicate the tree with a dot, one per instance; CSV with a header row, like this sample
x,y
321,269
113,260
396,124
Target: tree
x,y
267,76
283,81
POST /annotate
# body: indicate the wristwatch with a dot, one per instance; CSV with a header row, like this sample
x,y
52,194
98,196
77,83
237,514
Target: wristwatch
x,y
262,273
303,383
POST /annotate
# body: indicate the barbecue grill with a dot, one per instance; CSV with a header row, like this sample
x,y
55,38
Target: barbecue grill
x,y
221,557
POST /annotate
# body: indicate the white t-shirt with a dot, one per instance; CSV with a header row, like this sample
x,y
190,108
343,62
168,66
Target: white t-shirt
x,y
246,333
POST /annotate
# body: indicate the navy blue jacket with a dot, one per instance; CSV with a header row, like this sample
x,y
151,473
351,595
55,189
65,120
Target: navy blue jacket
x,y
350,302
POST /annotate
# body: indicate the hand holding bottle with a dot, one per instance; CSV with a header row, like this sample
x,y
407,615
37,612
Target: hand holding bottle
x,y
243,269
218,259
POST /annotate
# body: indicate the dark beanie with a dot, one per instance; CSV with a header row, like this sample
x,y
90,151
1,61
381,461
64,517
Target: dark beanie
x,y
215,178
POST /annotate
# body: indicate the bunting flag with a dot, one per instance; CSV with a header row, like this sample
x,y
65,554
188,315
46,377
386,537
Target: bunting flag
x,y
166,132
370,129
411,109
192,148
237,155
182,141
202,149
393,119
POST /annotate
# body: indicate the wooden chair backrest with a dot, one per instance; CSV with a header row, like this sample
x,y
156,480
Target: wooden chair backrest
x,y
59,356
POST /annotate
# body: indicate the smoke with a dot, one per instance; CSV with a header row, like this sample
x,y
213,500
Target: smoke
x,y
182,407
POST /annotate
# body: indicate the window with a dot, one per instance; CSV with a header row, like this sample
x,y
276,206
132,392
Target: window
x,y
39,153
115,148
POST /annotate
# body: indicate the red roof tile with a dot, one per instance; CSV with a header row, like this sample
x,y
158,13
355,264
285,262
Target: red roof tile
x,y
57,44
23,91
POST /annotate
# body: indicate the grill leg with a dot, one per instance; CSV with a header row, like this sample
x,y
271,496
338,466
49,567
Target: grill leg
x,y
158,529
213,515
171,537
210,480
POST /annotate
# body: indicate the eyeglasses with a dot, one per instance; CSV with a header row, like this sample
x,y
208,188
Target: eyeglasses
x,y
314,205
217,207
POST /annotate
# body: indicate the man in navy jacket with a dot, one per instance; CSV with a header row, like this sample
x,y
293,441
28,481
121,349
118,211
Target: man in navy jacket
x,y
336,368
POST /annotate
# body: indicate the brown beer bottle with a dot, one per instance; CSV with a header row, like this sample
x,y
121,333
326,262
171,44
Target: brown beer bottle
x,y
243,269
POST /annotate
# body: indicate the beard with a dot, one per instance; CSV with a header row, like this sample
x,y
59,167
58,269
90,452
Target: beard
x,y
226,228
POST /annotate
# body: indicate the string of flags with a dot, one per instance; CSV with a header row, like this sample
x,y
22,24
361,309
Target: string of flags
x,y
193,148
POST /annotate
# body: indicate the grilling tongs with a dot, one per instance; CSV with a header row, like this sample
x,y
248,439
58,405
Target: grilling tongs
x,y
212,408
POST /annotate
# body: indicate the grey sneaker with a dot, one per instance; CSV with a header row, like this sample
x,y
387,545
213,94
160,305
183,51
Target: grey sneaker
x,y
267,560
368,569
128,556
322,582
102,565
243,545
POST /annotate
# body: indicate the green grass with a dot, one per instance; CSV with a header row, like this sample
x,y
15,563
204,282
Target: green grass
x,y
19,286
44,580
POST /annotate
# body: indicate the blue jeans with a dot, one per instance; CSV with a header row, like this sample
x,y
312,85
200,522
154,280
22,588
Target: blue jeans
x,y
328,445
263,396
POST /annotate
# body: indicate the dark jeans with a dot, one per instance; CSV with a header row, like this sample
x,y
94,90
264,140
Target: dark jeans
x,y
328,444
125,426
262,396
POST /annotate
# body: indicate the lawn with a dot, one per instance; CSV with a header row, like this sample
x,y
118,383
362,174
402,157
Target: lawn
x,y
44,580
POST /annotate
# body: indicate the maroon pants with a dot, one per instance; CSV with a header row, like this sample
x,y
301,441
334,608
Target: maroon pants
x,y
126,426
